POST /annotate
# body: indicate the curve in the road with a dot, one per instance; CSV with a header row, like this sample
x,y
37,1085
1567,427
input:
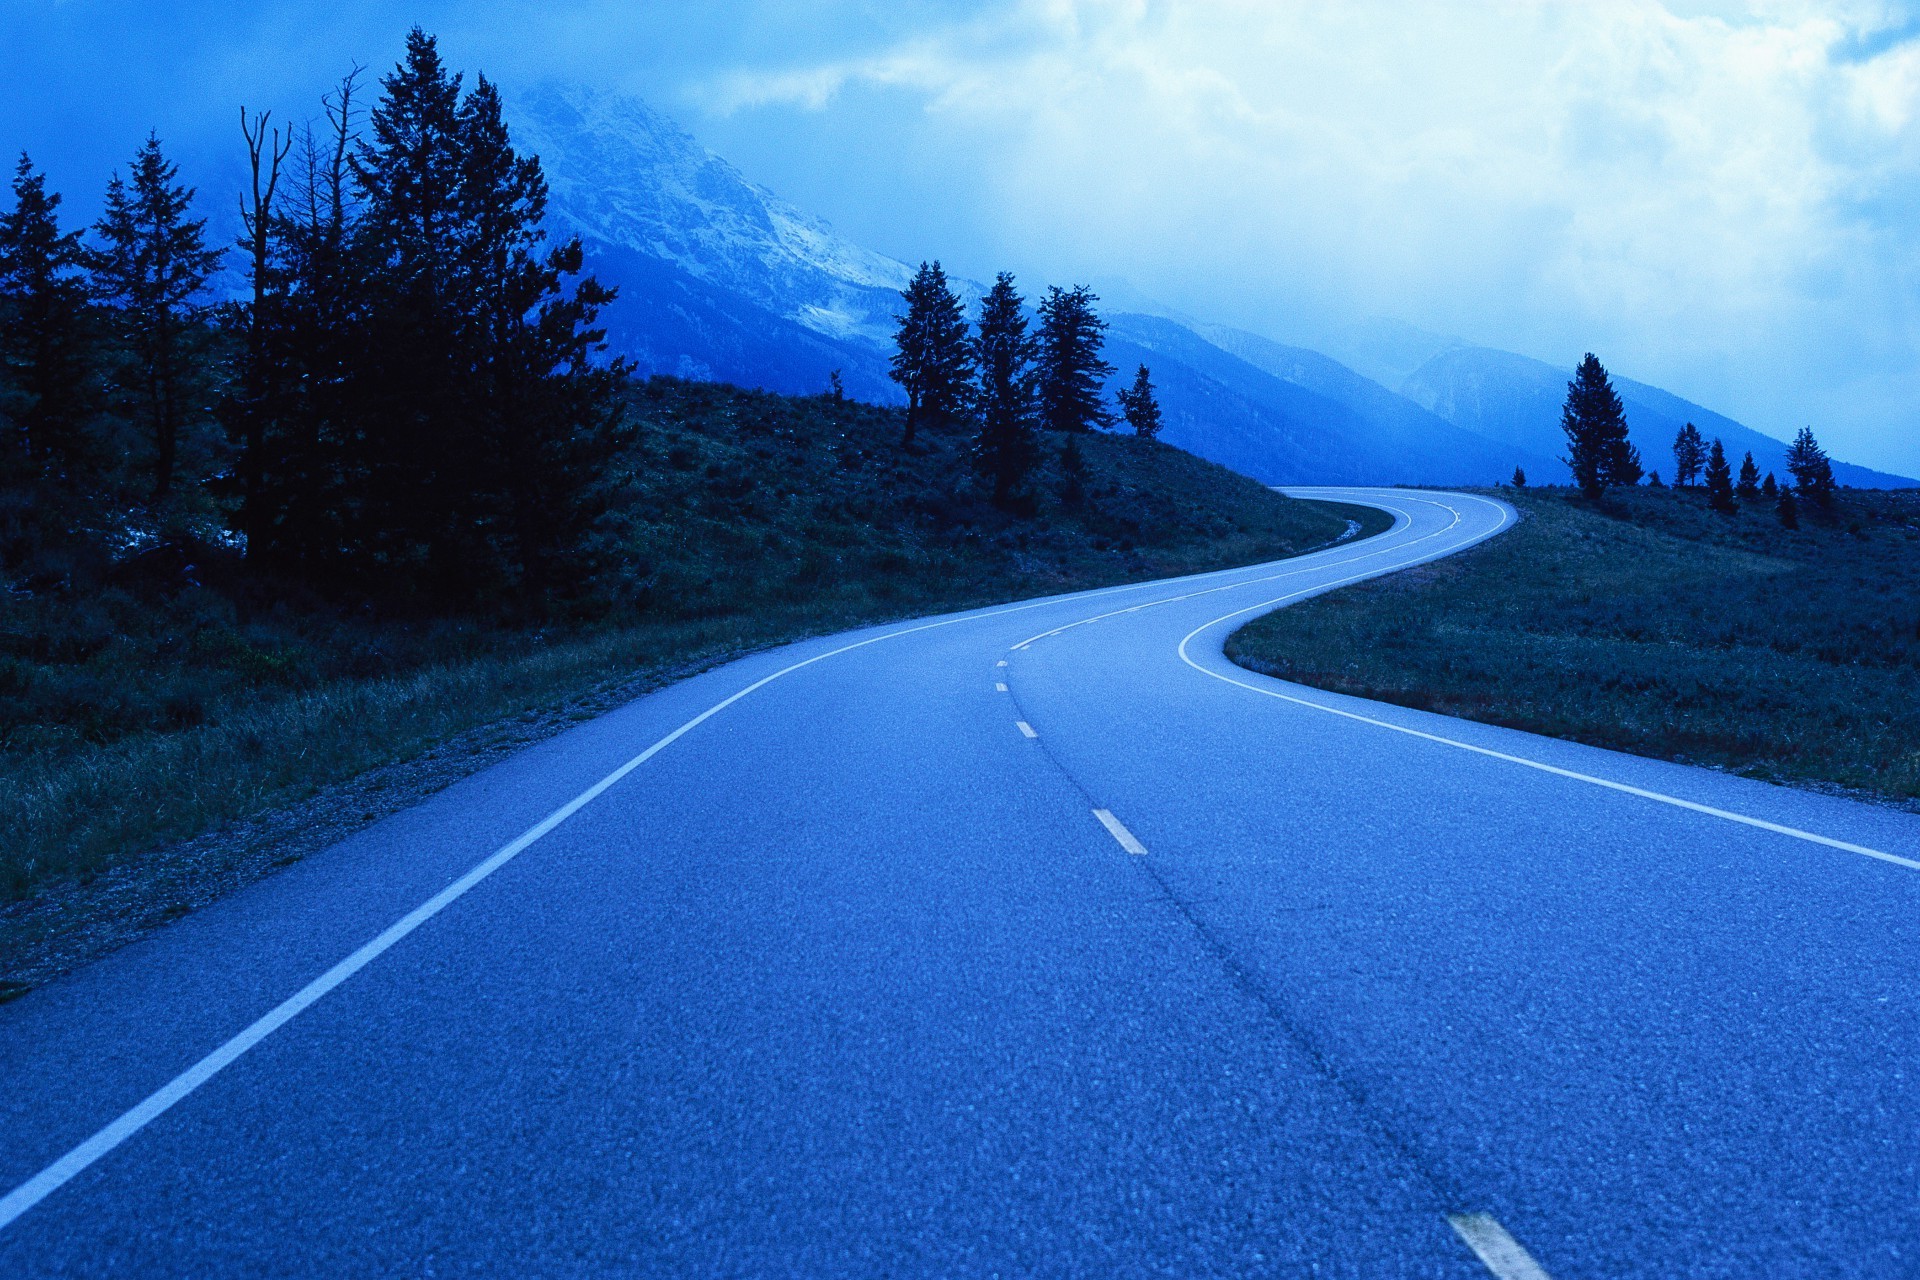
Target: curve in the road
x,y
862,977
1385,559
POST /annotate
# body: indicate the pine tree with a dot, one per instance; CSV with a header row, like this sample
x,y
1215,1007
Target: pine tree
x,y
932,361
1141,406
1748,486
1719,480
1071,369
418,440
1003,366
1689,455
1519,478
544,417
1812,471
1787,509
49,391
1598,452
1073,472
1654,481
1770,487
150,272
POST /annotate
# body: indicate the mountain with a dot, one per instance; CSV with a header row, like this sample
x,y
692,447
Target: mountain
x,y
1516,401
1381,348
721,279
718,277
1291,416
1437,448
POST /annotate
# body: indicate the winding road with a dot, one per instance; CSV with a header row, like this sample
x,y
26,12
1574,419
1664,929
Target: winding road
x,y
1036,940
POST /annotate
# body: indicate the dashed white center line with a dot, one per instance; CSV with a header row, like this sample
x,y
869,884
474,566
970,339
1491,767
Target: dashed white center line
x,y
1026,728
1119,832
1000,686
1493,1246
1001,663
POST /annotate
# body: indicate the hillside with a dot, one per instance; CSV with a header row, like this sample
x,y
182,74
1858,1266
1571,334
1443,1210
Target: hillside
x,y
1654,626
177,697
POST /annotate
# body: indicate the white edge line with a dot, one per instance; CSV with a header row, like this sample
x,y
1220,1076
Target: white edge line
x,y
1571,774
1502,1254
1119,832
1296,568
78,1159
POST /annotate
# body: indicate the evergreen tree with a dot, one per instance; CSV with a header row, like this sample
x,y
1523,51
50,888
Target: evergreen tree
x,y
1519,478
1598,452
1770,487
932,361
1748,486
1003,355
1141,406
1689,455
1812,471
1654,481
1719,480
1623,461
1787,509
150,272
543,417
420,447
48,378
1071,369
1073,472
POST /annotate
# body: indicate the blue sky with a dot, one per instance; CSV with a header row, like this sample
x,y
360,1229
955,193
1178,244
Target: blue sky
x,y
1719,198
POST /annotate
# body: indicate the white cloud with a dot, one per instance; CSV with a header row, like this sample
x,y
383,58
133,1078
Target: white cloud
x,y
1718,197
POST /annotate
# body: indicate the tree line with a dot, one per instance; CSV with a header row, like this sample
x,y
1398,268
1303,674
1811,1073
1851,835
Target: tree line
x,y
404,395
1007,382
1601,457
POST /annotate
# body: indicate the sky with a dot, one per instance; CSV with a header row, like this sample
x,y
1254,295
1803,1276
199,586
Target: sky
x,y
1716,198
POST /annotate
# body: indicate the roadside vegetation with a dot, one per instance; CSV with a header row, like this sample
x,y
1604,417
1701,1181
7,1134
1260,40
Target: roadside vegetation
x,y
1690,624
181,690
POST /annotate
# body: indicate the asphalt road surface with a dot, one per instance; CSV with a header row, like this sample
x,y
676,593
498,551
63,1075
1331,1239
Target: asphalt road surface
x,y
1031,941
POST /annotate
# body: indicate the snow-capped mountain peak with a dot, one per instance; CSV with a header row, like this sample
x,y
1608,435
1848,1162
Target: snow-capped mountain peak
x,y
623,174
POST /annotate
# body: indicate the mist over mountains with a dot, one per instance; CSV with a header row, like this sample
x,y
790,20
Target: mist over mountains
x,y
722,279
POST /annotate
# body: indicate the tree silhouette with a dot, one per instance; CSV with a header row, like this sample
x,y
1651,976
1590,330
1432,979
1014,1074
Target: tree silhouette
x,y
1598,452
1003,364
1689,455
1071,369
150,272
1141,406
1719,480
931,360
49,387
1812,471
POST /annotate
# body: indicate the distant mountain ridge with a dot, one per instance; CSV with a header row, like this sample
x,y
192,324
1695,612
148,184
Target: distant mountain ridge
x,y
1516,401
721,279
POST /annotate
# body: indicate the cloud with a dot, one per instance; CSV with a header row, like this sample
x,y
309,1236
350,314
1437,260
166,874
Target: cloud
x,y
1719,196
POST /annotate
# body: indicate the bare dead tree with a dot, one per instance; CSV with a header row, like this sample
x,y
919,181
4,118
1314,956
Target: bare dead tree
x,y
266,152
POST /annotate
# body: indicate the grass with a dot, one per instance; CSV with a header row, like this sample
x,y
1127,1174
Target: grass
x,y
1650,624
176,695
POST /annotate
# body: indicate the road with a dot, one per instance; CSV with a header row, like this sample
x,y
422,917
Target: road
x,y
1038,940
